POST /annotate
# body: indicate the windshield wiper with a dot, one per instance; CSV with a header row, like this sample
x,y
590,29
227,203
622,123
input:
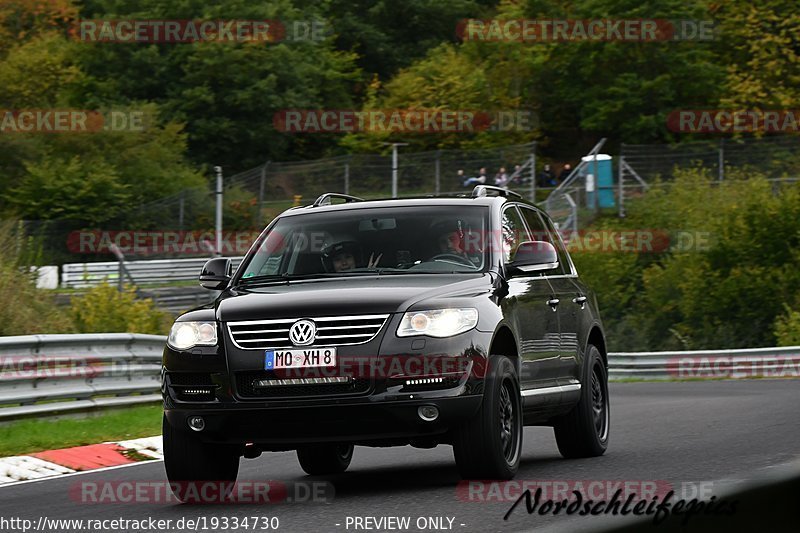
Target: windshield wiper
x,y
410,271
281,278
252,280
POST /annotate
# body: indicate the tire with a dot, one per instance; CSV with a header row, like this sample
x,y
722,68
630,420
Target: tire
x,y
325,459
190,463
584,431
489,446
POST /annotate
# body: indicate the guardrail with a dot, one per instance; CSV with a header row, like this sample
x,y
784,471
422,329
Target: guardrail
x,y
145,272
54,374
706,364
171,299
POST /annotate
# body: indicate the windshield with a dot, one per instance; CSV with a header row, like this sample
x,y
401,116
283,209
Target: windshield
x,y
442,239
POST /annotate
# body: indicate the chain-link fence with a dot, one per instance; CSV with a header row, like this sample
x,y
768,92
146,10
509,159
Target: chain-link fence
x,y
254,197
276,185
642,166
775,157
181,225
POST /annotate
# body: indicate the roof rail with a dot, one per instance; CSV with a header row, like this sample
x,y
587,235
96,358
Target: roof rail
x,y
325,199
482,190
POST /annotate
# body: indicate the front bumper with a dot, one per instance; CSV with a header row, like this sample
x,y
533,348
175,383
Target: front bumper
x,y
364,423
381,408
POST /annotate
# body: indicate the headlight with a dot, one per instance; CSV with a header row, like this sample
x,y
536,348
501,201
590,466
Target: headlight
x,y
184,335
438,323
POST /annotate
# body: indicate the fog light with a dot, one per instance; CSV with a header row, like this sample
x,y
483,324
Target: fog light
x,y
428,413
197,423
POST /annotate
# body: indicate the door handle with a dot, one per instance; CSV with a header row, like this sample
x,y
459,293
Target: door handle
x,y
580,300
553,302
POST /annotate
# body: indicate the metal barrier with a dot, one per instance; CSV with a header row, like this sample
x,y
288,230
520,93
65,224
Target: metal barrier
x,y
44,375
159,271
706,364
53,374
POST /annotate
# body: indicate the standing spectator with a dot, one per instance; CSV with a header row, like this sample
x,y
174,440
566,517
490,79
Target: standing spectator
x,y
501,178
546,177
460,177
565,172
518,179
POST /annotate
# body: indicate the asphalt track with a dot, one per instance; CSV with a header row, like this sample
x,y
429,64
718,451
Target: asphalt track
x,y
690,436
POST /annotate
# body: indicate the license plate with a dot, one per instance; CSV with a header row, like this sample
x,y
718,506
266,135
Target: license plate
x,y
299,358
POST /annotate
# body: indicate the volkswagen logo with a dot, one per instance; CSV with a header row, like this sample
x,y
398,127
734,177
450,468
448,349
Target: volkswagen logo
x,y
303,332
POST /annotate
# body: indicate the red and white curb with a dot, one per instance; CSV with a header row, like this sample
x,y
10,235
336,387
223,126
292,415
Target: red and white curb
x,y
79,459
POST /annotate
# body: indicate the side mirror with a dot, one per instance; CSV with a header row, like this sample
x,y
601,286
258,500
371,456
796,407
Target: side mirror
x,y
535,256
216,273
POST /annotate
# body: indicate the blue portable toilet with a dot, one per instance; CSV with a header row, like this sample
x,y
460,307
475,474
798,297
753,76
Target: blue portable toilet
x,y
601,189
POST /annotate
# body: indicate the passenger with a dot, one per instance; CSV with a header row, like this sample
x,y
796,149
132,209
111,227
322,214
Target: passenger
x,y
346,255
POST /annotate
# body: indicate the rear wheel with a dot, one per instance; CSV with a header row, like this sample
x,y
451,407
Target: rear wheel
x,y
196,470
584,431
489,446
325,459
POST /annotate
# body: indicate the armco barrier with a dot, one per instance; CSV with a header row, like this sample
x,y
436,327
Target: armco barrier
x,y
51,374
153,272
705,364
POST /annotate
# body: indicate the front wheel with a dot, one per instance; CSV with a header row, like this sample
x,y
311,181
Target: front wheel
x,y
489,446
197,470
584,431
320,460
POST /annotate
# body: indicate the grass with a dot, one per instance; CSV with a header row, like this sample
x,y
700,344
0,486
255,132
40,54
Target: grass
x,y
35,435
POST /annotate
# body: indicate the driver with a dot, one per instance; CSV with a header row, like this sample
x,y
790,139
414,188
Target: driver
x,y
450,238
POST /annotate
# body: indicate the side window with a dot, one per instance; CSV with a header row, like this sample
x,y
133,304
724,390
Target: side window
x,y
542,232
513,233
563,256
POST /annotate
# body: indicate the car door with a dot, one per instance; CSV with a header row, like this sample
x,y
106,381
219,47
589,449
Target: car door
x,y
570,301
530,298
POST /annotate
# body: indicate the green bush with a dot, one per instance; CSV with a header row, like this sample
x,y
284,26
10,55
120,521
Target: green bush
x,y
787,328
26,310
728,293
104,309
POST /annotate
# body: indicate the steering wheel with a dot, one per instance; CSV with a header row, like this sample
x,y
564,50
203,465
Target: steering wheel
x,y
452,258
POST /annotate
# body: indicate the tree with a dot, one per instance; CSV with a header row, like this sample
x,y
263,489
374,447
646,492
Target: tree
x,y
226,94
760,45
72,189
21,20
388,36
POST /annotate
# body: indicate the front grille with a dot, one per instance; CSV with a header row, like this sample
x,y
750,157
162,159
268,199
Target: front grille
x,y
331,331
247,384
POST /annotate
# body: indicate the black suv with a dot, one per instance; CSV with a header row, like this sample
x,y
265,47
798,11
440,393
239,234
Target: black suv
x,y
426,321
